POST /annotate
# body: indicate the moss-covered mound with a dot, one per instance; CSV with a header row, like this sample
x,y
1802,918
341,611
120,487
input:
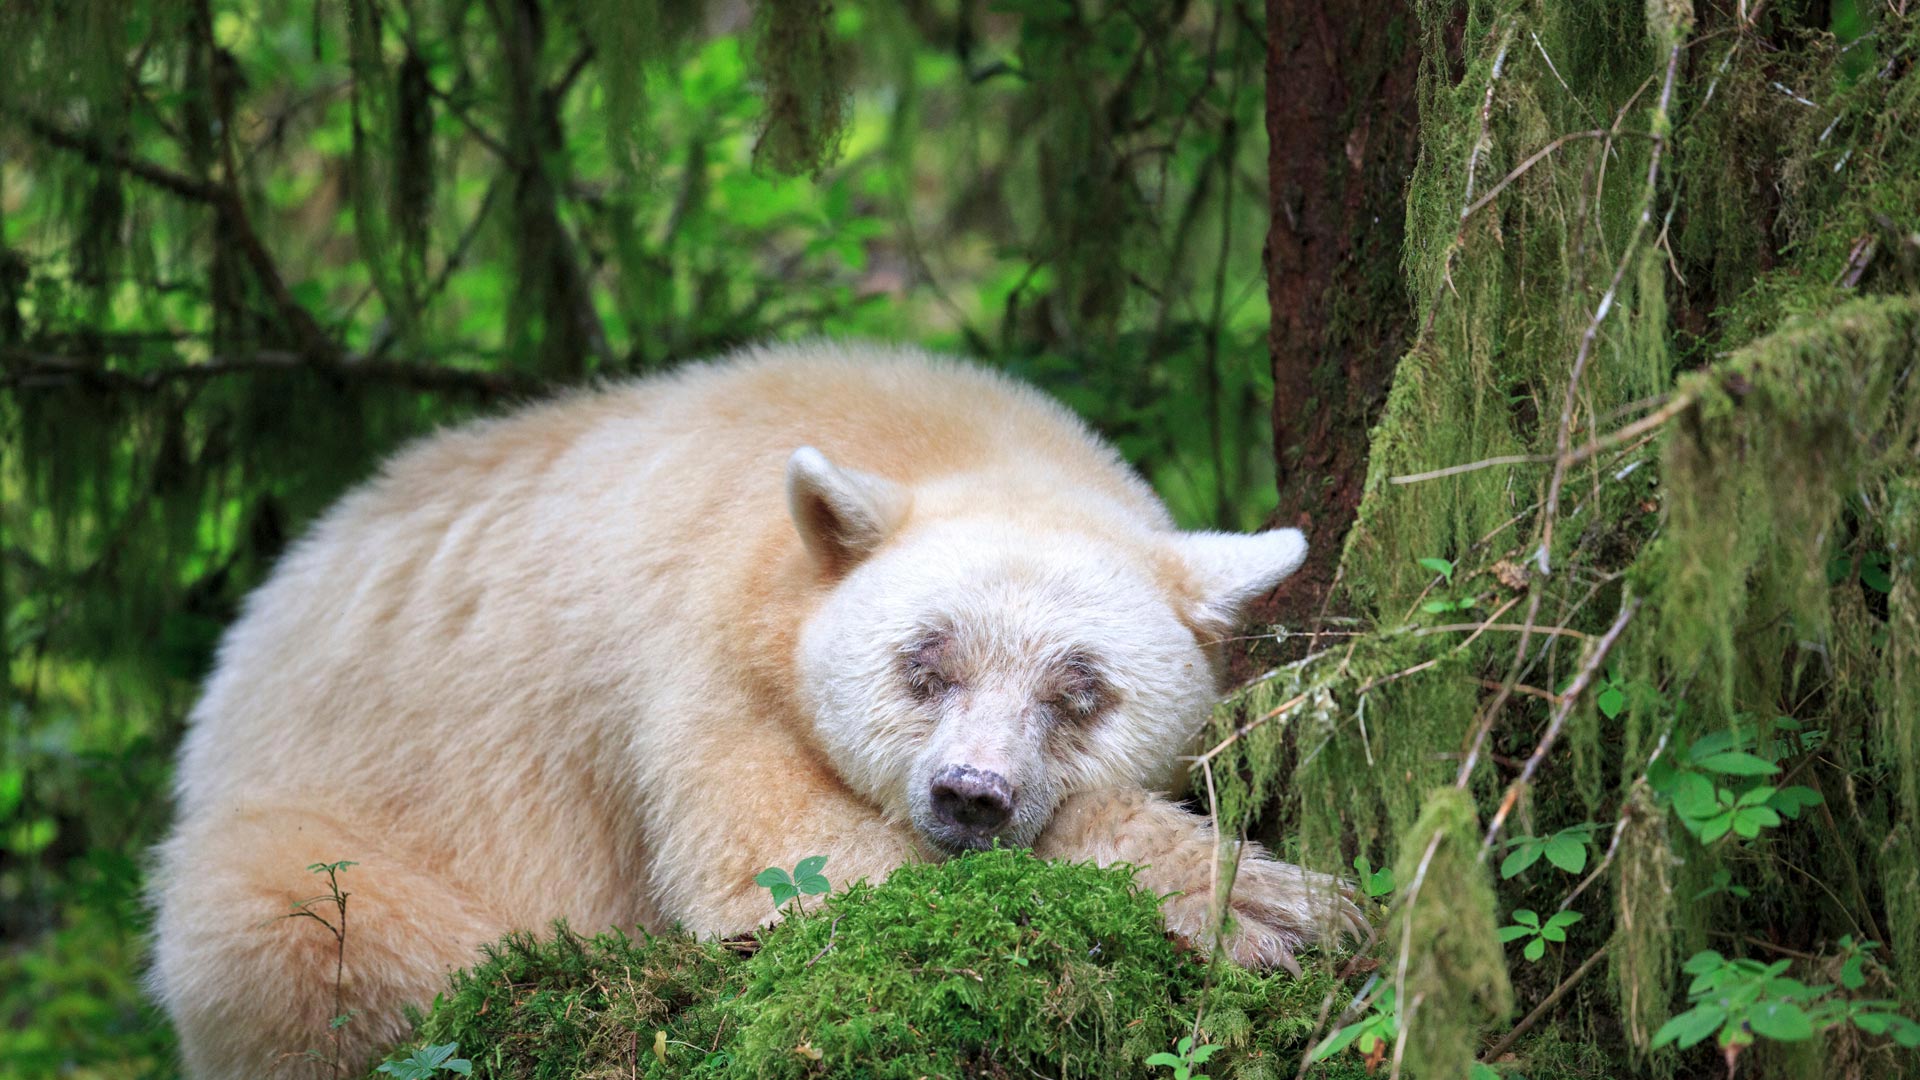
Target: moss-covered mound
x,y
995,964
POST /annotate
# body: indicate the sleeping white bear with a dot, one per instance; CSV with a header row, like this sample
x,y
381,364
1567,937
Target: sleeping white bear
x,y
607,658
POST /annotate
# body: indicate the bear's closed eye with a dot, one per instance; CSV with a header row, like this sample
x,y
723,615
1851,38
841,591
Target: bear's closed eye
x,y
1079,690
927,666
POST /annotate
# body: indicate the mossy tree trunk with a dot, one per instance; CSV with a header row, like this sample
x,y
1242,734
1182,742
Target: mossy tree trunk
x,y
1643,492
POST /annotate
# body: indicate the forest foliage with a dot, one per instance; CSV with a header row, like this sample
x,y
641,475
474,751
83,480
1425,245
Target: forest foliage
x,y
1615,705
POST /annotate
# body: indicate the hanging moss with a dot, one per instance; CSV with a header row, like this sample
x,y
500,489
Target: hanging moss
x,y
1449,976
802,67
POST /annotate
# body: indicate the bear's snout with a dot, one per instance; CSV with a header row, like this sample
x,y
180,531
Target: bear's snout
x,y
970,806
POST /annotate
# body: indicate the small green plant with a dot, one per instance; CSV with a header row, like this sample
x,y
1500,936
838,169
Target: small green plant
x,y
806,880
1566,849
1375,883
1527,924
1705,785
1185,1058
337,926
1723,883
1442,605
1612,698
1738,1000
1371,1033
427,1062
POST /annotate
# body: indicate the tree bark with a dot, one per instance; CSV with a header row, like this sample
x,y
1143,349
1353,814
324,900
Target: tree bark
x,y
1341,111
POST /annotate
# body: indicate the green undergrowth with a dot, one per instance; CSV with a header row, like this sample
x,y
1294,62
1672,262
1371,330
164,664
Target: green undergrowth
x,y
1665,689
992,964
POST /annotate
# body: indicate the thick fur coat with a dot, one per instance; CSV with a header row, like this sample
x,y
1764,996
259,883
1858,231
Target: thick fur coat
x,y
607,658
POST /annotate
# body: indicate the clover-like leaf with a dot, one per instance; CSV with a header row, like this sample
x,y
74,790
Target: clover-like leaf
x,y
1555,928
776,881
808,878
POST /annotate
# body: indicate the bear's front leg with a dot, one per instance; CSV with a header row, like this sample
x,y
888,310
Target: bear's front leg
x,y
1277,908
711,838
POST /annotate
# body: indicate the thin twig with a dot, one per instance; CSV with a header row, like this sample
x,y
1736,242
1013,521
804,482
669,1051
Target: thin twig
x,y
1675,405
1552,631
1629,605
1540,1010
831,931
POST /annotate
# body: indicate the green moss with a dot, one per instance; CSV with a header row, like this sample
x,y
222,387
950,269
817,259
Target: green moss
x,y
994,964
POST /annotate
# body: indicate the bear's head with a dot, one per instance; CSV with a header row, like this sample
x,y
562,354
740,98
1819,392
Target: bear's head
x,y
967,669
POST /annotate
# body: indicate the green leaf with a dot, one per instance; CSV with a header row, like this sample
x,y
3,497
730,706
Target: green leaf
x,y
1716,827
1737,763
1519,859
1852,973
1435,607
783,893
1703,961
1873,572
1610,701
1527,917
1789,801
1202,1053
1782,1020
1691,1026
1693,795
1163,1058
1334,1043
814,885
809,866
1535,949
1569,853
1750,821
1515,933
1438,566
1754,796
772,877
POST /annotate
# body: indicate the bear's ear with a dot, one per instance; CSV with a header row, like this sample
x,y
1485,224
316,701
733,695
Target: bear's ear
x,y
1228,571
842,514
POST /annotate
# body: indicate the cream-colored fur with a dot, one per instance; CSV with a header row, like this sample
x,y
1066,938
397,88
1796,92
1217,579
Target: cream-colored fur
x,y
607,658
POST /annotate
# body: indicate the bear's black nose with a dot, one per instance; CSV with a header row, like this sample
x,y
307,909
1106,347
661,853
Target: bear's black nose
x,y
972,802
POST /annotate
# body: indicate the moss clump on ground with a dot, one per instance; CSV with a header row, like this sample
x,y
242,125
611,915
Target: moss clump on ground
x,y
994,964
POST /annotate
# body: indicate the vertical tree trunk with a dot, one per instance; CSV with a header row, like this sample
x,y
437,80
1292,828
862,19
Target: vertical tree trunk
x,y
1340,126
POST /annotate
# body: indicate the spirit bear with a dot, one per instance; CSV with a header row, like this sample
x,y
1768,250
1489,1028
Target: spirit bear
x,y
607,658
